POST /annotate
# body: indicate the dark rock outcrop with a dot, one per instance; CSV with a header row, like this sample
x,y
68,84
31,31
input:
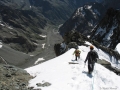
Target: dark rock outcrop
x,y
107,31
73,36
112,3
45,84
84,19
57,49
72,45
13,78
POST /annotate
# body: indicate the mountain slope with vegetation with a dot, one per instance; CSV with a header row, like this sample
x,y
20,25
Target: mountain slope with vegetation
x,y
107,32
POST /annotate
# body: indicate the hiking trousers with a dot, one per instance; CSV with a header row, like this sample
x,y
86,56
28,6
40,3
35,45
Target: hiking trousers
x,y
91,67
77,57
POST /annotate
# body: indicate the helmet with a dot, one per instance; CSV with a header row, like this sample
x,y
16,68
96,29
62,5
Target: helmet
x,y
91,47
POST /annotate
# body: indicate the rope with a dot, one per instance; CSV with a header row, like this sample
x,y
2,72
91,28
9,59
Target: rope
x,y
93,79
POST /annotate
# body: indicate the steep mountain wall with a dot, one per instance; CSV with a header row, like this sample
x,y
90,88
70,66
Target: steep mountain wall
x,y
107,32
84,19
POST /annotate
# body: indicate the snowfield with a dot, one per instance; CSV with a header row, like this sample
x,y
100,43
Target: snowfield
x,y
0,44
118,48
64,76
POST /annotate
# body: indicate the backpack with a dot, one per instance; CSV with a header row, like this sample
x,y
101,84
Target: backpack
x,y
93,56
77,52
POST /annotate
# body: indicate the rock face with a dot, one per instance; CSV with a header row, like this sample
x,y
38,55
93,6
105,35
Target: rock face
x,y
92,20
108,30
56,11
13,78
73,36
112,3
84,19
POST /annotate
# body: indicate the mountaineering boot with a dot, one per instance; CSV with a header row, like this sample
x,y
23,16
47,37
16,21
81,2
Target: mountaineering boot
x,y
89,72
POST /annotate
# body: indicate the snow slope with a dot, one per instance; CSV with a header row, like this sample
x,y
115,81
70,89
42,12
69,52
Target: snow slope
x,y
0,44
118,48
64,76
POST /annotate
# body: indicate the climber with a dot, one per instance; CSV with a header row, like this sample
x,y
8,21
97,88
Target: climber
x,y
77,53
92,57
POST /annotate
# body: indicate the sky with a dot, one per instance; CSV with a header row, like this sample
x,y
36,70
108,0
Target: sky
x,y
64,76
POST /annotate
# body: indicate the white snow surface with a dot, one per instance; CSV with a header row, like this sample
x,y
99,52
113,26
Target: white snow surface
x,y
39,59
88,6
43,45
65,76
0,44
118,48
44,36
2,24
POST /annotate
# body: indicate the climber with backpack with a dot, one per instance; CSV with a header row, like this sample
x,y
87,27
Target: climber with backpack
x,y
92,57
77,53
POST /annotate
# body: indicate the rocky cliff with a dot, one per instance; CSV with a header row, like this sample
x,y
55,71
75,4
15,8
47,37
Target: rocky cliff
x,y
84,19
108,30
